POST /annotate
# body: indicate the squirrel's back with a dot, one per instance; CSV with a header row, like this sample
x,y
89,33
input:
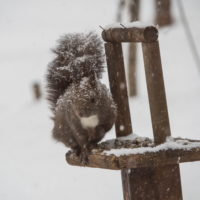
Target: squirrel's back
x,y
76,56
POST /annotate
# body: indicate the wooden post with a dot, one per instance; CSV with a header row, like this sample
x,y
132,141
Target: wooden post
x,y
118,88
132,69
163,12
36,91
156,91
166,178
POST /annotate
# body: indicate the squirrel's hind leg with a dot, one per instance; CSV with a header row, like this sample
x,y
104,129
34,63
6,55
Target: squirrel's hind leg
x,y
84,154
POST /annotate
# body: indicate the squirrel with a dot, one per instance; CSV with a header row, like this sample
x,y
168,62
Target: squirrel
x,y
83,108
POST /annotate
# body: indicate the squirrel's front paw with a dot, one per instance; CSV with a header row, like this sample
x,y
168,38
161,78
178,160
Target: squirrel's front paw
x,y
84,154
84,157
77,151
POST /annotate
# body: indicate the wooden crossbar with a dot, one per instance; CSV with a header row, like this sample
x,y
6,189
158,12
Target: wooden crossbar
x,y
133,34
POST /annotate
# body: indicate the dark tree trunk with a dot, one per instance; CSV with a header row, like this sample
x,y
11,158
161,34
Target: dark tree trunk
x,y
36,91
134,8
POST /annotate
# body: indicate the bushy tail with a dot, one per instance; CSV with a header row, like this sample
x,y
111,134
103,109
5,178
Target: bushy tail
x,y
77,56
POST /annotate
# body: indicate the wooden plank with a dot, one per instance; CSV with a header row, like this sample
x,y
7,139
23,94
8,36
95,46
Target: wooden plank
x,y
160,158
147,160
133,34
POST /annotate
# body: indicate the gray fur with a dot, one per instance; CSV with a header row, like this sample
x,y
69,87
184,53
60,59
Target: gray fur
x,y
74,91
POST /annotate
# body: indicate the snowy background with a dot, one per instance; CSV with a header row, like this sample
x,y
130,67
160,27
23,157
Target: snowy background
x,y
32,164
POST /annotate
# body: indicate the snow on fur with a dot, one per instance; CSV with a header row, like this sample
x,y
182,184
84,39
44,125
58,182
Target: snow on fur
x,y
77,56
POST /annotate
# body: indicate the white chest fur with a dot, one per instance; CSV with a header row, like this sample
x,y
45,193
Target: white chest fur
x,y
89,122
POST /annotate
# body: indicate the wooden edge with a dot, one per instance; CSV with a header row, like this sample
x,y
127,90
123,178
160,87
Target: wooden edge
x,y
148,159
160,158
95,161
133,34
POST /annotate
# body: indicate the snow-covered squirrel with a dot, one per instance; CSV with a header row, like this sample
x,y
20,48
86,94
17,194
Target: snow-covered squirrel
x,y
83,108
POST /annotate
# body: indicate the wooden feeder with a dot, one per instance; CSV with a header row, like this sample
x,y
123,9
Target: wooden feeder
x,y
150,169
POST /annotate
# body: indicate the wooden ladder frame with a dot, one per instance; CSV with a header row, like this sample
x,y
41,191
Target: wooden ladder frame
x,y
155,174
162,182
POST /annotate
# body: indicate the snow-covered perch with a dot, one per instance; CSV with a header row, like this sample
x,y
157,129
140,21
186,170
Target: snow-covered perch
x,y
141,152
170,144
130,32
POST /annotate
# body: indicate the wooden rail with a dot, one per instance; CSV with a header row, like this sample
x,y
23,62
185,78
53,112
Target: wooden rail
x,y
133,34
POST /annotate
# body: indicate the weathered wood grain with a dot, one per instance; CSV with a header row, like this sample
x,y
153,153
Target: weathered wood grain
x,y
133,34
118,87
99,159
156,91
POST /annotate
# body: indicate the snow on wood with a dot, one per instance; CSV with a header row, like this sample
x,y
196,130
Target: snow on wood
x,y
132,136
141,152
130,32
134,24
169,144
